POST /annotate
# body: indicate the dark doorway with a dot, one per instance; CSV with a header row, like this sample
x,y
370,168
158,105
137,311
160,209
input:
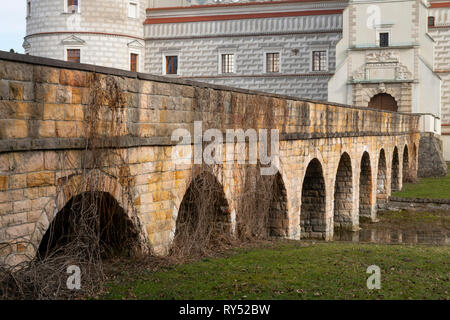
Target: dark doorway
x,y
383,101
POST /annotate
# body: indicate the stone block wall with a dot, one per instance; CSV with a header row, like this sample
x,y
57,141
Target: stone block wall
x,y
46,104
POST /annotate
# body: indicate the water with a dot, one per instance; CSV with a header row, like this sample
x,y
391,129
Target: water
x,y
393,236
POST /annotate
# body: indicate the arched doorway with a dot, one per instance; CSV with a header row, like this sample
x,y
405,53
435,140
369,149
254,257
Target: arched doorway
x,y
383,101
343,194
365,187
312,217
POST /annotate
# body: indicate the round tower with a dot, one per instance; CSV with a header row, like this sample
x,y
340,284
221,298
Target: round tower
x,y
109,33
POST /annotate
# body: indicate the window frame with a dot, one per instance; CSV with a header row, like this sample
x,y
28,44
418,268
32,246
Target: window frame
x,y
66,52
433,19
221,53
139,59
66,7
28,8
130,3
383,30
311,59
265,58
165,56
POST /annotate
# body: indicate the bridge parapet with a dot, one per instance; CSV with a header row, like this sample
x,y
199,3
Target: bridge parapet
x,y
45,102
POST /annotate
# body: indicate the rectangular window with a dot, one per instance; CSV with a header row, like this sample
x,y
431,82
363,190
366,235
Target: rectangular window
x,y
431,21
73,55
227,63
133,10
171,64
384,39
28,8
72,6
319,60
273,62
134,62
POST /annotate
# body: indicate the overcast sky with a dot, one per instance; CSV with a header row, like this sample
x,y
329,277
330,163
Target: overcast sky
x,y
12,24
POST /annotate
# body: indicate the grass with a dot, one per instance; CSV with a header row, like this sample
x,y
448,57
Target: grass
x,y
432,188
296,270
412,220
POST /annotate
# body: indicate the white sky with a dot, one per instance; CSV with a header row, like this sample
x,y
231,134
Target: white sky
x,y
12,24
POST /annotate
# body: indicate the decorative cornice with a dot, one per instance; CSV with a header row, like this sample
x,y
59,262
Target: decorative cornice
x,y
223,17
82,32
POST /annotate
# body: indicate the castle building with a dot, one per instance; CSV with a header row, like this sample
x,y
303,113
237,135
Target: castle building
x,y
359,52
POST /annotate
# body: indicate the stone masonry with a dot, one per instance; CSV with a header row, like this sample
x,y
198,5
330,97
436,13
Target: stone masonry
x,y
43,107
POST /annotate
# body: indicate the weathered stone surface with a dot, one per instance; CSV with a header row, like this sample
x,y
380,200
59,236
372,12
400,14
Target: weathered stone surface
x,y
43,149
431,160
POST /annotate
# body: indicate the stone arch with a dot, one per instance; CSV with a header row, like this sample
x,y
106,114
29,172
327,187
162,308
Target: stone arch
x,y
204,213
343,193
71,186
395,171
382,193
365,187
313,206
405,165
369,92
271,197
103,222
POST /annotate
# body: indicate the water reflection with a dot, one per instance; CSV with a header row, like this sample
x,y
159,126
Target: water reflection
x,y
394,236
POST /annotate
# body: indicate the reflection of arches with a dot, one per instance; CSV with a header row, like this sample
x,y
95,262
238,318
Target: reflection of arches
x,y
90,219
312,217
343,193
383,101
405,165
204,213
395,172
381,178
365,187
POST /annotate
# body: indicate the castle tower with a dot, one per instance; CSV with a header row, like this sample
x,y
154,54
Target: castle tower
x,y
103,32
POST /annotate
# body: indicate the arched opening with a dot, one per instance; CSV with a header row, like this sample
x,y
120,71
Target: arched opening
x,y
90,223
278,223
343,194
312,218
365,187
204,216
381,179
405,166
383,101
395,174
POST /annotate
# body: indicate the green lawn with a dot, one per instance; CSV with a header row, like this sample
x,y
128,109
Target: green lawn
x,y
296,270
433,188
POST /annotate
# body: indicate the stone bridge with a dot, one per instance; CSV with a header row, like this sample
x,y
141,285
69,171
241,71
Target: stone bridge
x,y
336,162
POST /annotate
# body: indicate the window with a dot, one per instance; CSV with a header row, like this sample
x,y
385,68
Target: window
x,y
171,64
431,21
134,60
228,63
384,39
133,10
73,55
273,62
319,60
28,8
72,6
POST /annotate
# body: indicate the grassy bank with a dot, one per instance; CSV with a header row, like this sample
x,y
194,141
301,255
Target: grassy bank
x,y
433,188
296,270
